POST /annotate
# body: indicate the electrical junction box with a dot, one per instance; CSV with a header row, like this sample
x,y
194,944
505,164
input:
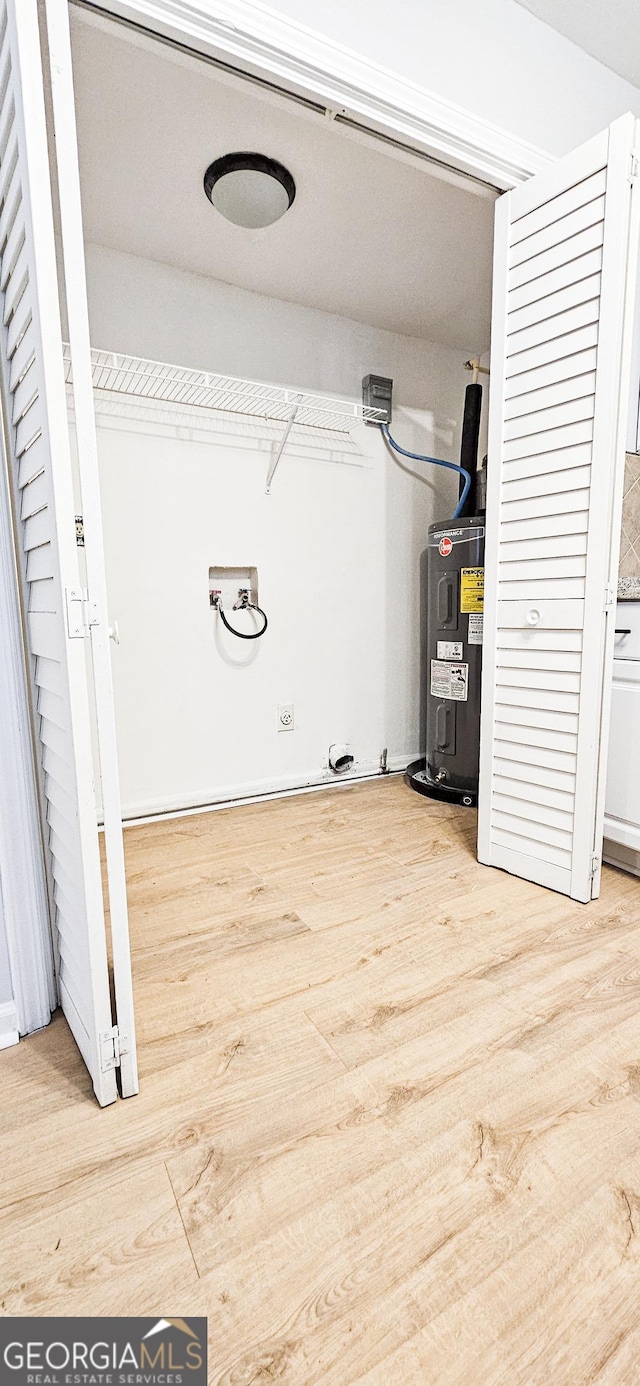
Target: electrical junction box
x,y
376,394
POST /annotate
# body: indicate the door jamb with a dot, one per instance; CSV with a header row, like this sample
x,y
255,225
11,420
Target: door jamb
x,y
260,42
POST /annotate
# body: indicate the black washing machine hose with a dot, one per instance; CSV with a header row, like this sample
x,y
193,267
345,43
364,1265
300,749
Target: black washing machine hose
x,y
243,606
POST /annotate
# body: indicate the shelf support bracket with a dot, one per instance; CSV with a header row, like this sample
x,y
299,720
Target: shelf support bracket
x,y
281,447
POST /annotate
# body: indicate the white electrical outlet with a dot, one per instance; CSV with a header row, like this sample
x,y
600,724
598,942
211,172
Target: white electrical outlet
x,y
285,717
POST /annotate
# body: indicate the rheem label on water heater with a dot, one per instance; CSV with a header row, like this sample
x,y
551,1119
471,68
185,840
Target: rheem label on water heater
x,y
449,680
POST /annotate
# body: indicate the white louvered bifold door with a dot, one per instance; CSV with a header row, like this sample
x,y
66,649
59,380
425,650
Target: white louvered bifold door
x,y
565,262
70,215
39,454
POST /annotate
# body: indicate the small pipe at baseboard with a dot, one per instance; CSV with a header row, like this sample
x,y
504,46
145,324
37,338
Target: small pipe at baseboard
x,y
190,812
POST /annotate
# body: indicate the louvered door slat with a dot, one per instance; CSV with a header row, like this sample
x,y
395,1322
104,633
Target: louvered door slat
x,y
558,485
56,794
565,334
531,675
526,806
37,529
533,640
537,659
575,384
573,270
40,563
519,737
555,508
555,308
565,523
517,550
539,419
557,232
7,120
42,596
538,700
565,368
524,775
24,398
535,266
51,706
566,244
6,88
543,745
554,443
517,839
10,159
16,289
540,570
34,496
11,251
10,208
566,187
32,462
17,329
49,673
27,430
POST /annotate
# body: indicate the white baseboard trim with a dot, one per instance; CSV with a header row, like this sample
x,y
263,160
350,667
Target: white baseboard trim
x,y
8,1024
260,790
624,857
624,834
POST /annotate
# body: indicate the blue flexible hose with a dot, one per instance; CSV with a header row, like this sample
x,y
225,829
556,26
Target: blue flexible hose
x,y
437,461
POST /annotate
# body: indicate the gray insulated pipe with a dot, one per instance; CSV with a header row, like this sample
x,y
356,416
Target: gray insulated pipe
x,y
469,444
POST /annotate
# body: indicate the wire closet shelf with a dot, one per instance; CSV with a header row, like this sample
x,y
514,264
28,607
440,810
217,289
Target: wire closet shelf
x,y
156,380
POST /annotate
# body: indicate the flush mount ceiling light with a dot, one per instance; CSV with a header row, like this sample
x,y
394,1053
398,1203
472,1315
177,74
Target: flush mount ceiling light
x,y
249,189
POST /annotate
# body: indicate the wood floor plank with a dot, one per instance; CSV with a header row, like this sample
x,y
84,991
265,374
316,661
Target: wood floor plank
x,y
122,1245
388,1124
195,1079
388,1252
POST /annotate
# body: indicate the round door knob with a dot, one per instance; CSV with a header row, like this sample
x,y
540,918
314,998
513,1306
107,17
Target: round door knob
x,y
533,616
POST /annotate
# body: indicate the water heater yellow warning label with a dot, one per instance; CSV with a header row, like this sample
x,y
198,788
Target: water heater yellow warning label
x,y
472,590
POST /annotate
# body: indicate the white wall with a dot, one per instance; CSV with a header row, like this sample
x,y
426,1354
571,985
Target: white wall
x,y
337,544
494,59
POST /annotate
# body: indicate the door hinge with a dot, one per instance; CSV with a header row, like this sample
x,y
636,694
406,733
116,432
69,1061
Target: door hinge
x,y
82,613
595,865
109,1049
634,171
112,1047
80,531
609,597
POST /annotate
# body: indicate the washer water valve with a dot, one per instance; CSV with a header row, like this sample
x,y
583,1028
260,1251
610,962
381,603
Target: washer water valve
x,y
243,603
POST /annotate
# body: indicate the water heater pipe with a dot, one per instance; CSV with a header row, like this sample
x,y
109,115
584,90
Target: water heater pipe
x,y
474,365
437,462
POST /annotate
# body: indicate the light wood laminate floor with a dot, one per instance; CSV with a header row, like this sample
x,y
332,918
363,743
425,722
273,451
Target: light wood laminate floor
x,y
389,1124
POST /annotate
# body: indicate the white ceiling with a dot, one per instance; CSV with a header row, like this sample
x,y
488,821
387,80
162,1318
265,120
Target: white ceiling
x,y
607,29
370,236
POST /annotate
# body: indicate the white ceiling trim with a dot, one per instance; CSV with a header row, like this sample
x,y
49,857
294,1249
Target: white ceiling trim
x,y
256,39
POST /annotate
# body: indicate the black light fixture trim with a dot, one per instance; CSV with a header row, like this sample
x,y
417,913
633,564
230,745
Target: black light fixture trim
x,y
258,163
